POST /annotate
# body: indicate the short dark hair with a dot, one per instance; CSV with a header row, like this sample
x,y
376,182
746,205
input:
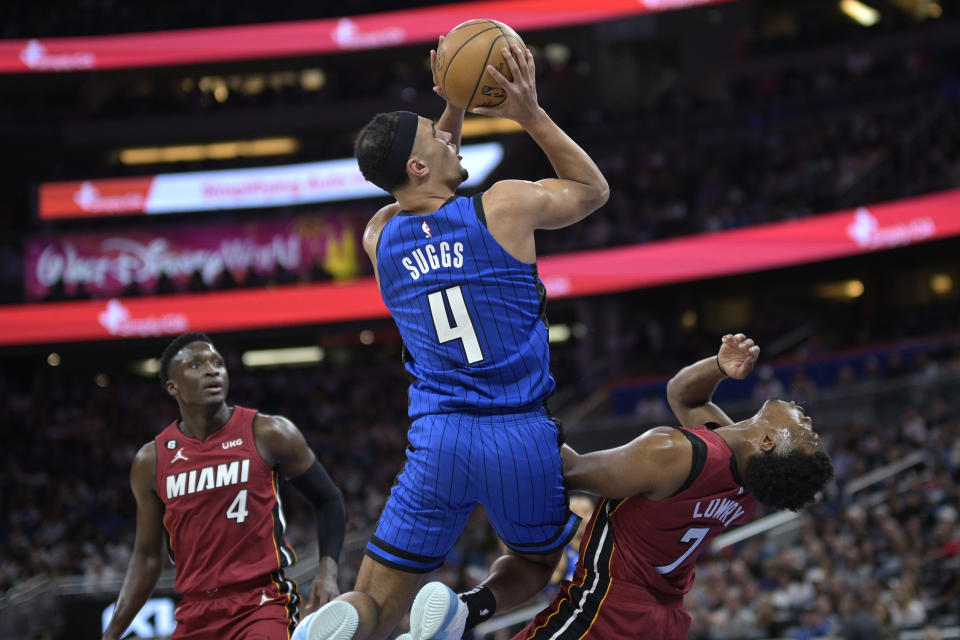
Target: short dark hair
x,y
787,480
373,145
174,348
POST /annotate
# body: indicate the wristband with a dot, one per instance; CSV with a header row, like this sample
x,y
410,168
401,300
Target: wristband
x,y
721,368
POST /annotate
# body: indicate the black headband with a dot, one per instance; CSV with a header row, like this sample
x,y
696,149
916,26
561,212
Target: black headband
x,y
394,165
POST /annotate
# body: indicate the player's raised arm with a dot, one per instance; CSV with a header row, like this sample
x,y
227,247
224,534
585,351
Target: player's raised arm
x,y
147,559
689,392
283,446
579,188
451,120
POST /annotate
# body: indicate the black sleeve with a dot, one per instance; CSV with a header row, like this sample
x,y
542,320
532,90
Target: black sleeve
x,y
328,504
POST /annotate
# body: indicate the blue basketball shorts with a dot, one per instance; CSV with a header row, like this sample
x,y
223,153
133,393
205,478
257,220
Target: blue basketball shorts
x,y
509,463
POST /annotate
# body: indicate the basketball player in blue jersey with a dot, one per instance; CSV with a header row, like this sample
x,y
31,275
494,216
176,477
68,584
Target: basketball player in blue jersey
x,y
459,275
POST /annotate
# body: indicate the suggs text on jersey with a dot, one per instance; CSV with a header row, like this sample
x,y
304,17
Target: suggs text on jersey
x,y
433,257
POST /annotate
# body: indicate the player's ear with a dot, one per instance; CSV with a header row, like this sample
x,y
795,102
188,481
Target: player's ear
x,y
417,168
767,443
171,387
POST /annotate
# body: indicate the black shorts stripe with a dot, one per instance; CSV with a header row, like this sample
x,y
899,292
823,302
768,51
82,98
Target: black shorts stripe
x,y
287,555
555,541
288,588
578,609
398,566
404,554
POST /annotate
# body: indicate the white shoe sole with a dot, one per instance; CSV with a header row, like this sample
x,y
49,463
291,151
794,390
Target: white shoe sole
x,y
335,620
434,608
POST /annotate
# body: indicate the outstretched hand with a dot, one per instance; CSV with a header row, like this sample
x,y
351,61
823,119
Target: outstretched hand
x,y
737,356
521,101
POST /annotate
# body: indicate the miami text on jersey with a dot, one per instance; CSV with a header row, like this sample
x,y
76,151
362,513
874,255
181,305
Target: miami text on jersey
x,y
212,477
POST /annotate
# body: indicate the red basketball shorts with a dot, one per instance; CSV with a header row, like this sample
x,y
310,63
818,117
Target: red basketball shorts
x,y
256,611
625,612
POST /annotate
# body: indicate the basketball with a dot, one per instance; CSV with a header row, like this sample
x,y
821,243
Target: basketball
x,y
462,61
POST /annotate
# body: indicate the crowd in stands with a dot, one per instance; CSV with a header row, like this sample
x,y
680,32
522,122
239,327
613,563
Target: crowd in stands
x,y
889,557
780,147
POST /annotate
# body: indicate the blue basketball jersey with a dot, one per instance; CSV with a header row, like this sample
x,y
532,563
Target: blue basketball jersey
x,y
472,316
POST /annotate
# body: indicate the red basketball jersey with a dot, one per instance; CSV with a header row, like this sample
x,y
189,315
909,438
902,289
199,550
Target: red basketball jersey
x,y
222,513
655,543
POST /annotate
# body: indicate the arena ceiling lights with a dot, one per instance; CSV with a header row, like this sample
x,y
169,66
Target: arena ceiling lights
x,y
307,37
210,151
863,14
285,356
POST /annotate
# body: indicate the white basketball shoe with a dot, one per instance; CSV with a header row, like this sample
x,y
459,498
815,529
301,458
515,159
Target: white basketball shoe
x,y
336,620
437,614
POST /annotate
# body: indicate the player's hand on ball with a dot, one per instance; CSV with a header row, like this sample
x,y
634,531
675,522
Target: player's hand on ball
x,y
323,589
521,102
434,70
737,356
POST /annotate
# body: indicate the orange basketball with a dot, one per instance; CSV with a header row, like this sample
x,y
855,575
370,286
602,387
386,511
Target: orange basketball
x,y
462,62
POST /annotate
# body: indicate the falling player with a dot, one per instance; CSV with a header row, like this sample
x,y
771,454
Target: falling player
x,y
668,493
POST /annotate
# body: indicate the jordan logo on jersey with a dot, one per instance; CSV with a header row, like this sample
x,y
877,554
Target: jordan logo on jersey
x,y
205,478
179,456
426,229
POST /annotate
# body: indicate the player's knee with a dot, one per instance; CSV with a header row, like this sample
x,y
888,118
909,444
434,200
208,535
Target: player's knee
x,y
368,610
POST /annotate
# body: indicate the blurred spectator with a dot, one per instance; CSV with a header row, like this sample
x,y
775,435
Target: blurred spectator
x,y
906,611
813,624
652,410
802,385
857,620
767,385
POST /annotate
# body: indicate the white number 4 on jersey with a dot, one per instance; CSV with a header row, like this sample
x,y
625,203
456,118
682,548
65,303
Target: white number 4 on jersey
x,y
462,327
238,508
